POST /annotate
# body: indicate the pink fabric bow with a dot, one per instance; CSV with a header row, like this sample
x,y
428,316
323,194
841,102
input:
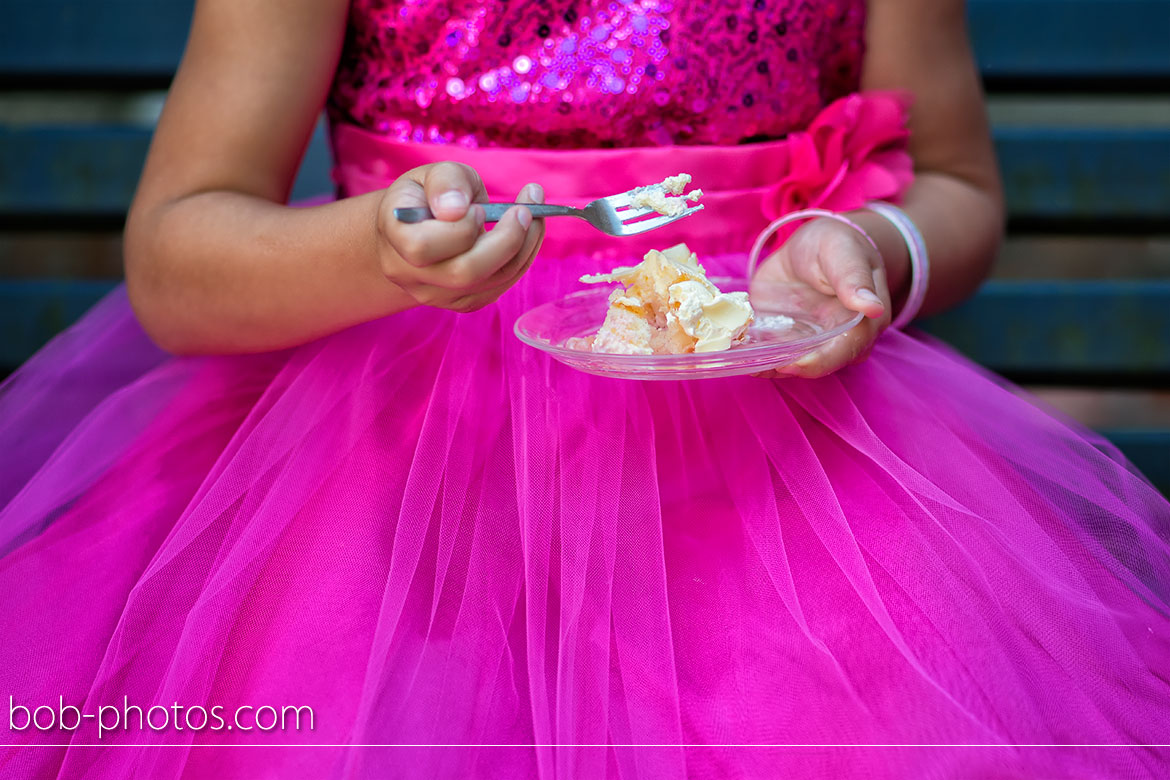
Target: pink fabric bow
x,y
853,152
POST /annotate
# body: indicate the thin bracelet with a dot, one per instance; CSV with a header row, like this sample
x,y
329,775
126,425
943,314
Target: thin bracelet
x,y
919,261
766,233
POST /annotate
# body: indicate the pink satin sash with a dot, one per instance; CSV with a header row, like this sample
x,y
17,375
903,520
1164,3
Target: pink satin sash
x,y
853,152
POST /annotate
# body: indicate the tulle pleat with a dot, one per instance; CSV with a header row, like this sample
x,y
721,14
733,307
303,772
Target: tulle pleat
x,y
441,540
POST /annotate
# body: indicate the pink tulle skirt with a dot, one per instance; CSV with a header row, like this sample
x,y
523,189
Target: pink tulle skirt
x,y
471,561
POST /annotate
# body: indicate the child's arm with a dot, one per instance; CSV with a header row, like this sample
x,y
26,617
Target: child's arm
x,y
216,263
920,47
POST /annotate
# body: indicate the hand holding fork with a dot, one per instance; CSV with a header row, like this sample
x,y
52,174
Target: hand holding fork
x,y
431,242
616,215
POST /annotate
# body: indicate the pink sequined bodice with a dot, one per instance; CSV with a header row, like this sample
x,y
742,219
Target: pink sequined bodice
x,y
594,73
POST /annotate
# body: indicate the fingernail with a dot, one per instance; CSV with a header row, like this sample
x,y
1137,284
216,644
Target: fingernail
x,y
524,217
807,360
869,296
536,193
453,199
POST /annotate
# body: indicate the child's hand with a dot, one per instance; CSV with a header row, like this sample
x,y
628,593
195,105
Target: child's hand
x,y
451,262
835,259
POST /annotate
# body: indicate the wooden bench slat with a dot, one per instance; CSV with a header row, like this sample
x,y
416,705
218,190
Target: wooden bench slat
x,y
32,311
1071,38
93,170
1149,450
70,170
1049,173
1099,330
1116,173
115,38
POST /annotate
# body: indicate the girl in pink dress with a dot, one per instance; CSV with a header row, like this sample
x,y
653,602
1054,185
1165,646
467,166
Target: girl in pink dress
x,y
352,492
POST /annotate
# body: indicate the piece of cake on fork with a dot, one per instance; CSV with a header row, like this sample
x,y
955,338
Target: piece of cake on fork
x,y
667,196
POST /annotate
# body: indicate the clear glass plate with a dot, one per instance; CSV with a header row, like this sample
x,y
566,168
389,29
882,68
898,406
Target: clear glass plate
x,y
773,341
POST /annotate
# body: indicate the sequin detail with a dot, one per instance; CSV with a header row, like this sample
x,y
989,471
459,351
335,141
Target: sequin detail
x,y
600,73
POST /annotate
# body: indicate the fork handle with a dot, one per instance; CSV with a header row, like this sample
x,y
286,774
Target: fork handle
x,y
492,212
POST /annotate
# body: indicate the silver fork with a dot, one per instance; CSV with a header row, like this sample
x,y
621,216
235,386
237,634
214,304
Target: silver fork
x,y
613,215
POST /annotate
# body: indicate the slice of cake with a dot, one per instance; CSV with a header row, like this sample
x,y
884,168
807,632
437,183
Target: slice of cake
x,y
667,306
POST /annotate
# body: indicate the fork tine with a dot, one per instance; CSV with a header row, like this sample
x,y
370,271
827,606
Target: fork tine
x,y
632,228
617,201
625,215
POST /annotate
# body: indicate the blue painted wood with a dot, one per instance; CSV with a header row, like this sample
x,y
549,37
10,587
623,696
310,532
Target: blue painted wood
x,y
1149,450
77,170
1053,38
93,170
1053,172
33,311
1011,37
137,38
1049,173
1099,329
313,179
